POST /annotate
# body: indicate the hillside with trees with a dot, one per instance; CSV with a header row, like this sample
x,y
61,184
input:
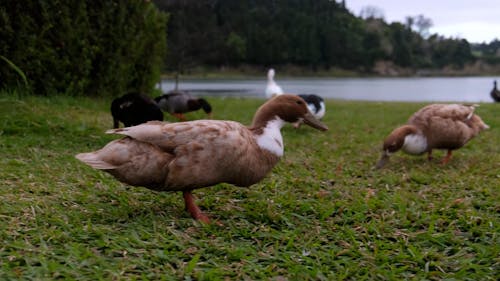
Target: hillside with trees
x,y
489,52
115,46
313,35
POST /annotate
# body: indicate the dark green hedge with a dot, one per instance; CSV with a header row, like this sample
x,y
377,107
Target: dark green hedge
x,y
97,47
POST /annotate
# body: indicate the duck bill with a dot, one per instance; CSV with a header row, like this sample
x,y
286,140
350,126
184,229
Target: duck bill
x,y
310,120
384,159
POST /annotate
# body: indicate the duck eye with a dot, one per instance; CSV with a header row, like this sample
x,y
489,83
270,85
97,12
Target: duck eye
x,y
299,102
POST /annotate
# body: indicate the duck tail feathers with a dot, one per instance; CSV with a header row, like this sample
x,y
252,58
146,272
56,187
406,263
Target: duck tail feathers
x,y
472,108
114,131
93,161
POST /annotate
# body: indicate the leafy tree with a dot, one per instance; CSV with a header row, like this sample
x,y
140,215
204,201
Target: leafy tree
x,y
371,13
491,49
401,38
236,47
423,25
82,47
305,33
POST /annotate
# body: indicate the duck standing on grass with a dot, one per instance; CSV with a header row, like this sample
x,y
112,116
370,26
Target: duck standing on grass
x,y
272,88
436,126
495,93
189,155
133,109
179,102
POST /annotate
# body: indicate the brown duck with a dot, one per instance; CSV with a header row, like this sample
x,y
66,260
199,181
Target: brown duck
x,y
436,126
189,155
179,102
495,93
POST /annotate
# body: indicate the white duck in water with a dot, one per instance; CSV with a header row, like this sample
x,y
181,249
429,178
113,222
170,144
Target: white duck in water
x,y
272,88
189,155
436,126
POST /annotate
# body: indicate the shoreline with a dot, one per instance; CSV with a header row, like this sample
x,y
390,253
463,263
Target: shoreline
x,y
380,70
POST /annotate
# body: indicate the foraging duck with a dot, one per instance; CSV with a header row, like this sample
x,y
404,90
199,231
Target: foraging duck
x,y
189,155
134,109
179,102
436,126
495,93
272,88
316,105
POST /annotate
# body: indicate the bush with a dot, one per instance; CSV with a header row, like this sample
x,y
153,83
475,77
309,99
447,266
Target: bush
x,y
82,47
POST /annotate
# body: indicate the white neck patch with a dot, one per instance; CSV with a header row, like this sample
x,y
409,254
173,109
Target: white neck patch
x,y
271,138
415,144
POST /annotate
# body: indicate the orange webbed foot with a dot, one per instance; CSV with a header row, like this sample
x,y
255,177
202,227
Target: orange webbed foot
x,y
447,158
193,209
179,116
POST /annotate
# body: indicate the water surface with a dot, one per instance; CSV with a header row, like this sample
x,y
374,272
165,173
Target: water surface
x,y
435,89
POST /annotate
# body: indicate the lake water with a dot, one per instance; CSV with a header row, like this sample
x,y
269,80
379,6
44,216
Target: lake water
x,y
439,89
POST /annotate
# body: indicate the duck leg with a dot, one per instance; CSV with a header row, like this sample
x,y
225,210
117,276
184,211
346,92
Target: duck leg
x,y
179,116
447,158
429,155
193,209
116,123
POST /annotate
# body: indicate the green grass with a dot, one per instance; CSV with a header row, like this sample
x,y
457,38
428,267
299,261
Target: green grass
x,y
323,213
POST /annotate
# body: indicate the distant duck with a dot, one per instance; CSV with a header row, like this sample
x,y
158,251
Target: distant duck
x,y
495,93
186,156
316,105
436,126
178,102
133,109
272,88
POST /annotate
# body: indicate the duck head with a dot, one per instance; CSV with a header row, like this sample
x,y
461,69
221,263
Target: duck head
x,y
406,137
477,124
195,104
289,108
270,74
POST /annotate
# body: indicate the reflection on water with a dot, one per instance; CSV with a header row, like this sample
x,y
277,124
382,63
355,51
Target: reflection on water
x,y
443,89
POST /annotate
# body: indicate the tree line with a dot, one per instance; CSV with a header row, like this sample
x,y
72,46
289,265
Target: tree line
x,y
114,46
319,34
489,52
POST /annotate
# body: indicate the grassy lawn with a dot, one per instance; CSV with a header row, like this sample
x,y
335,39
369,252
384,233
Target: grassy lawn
x,y
323,213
